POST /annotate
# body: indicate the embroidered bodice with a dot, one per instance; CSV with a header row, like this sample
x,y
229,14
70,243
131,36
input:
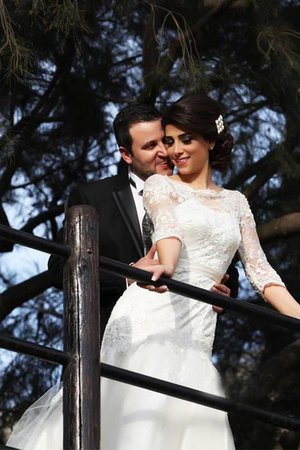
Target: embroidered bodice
x,y
212,225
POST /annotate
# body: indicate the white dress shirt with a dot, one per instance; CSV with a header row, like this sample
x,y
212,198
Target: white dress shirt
x,y
137,192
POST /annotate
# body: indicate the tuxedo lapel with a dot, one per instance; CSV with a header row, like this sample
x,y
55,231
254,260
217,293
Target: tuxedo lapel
x,y
125,203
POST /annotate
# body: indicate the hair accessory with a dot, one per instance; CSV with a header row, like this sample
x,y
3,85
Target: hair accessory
x,y
220,124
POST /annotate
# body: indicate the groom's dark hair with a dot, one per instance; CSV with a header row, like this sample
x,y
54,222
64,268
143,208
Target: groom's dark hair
x,y
130,115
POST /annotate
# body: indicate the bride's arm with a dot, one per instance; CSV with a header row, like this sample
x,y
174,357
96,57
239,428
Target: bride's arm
x,y
259,272
168,250
280,298
159,202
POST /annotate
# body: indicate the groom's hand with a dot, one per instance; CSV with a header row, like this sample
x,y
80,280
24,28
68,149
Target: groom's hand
x,y
147,261
220,288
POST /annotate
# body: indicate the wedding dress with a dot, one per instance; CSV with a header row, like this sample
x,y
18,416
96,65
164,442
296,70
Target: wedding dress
x,y
166,335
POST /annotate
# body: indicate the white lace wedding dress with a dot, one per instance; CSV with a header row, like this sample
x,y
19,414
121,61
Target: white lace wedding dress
x,y
168,336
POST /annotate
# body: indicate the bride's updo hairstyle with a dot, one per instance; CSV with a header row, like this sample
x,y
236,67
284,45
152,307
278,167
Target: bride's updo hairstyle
x,y
200,115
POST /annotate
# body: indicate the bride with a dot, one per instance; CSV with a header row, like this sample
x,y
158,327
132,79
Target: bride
x,y
198,227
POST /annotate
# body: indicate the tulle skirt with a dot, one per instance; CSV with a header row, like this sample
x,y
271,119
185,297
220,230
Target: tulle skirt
x,y
139,337
41,426
134,418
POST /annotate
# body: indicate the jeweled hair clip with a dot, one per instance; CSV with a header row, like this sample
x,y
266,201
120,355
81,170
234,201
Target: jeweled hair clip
x,y
220,124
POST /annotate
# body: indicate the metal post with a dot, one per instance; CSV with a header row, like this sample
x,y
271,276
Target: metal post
x,y
81,401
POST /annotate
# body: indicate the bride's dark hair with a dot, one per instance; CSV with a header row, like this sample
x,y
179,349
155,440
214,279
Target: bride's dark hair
x,y
197,114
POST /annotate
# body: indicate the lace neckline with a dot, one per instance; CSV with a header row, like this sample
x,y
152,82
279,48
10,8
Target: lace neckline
x,y
205,191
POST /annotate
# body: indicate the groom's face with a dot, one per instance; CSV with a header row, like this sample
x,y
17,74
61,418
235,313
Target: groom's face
x,y
148,154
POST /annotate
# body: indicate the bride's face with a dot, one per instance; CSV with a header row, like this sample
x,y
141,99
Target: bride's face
x,y
188,152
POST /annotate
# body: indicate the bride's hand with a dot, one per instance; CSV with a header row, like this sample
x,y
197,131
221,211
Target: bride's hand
x,y
157,272
149,263
145,263
160,270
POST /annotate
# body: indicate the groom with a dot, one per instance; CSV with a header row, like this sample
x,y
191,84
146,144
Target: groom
x,y
119,204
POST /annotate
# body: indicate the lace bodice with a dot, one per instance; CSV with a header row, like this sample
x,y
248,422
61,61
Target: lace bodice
x,y
212,225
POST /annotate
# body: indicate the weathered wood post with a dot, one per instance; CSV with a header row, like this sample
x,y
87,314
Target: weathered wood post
x,y
82,331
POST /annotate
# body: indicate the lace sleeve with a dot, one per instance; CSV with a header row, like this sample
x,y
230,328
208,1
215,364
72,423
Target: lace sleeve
x,y
258,270
160,206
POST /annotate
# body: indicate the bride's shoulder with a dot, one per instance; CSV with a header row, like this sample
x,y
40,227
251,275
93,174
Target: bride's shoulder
x,y
234,193
159,184
238,199
156,179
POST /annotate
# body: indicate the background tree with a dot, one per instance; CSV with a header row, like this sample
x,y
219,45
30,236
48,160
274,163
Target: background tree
x,y
66,67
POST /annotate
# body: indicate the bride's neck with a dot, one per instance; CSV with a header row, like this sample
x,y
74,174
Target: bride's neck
x,y
198,181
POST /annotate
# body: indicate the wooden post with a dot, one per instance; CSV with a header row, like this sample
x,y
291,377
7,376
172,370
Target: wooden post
x,y
81,401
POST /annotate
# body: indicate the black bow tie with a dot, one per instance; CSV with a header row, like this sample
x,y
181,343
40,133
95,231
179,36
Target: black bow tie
x,y
133,183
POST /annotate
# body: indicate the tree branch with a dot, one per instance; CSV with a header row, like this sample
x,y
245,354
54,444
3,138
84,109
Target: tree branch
x,y
5,246
281,227
43,217
157,80
16,295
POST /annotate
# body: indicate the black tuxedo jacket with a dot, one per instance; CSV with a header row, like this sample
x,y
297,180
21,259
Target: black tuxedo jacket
x,y
120,235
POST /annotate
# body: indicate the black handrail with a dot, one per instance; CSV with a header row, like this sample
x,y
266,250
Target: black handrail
x,y
125,271
35,242
29,348
196,293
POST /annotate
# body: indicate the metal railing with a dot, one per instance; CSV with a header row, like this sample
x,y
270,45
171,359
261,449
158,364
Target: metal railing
x,y
83,243
80,358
